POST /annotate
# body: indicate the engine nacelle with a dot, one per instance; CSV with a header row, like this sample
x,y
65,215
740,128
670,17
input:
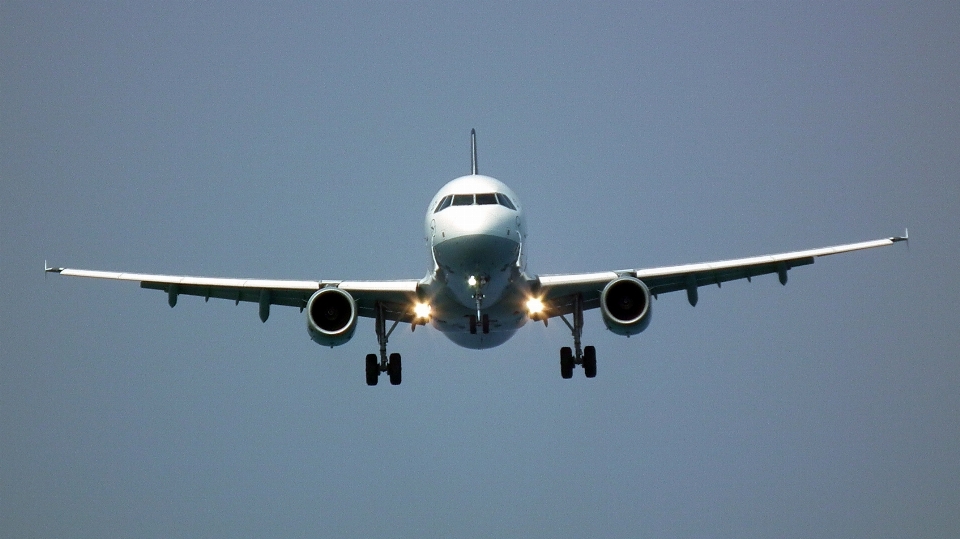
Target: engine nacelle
x,y
331,316
625,305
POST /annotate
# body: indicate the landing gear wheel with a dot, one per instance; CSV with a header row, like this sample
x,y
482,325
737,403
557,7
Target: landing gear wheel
x,y
473,325
566,363
394,368
590,361
373,369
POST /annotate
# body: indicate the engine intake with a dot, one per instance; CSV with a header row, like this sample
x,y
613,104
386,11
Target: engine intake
x,y
625,305
331,316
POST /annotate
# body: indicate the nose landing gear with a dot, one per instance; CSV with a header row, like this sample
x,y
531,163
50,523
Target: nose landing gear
x,y
484,324
483,320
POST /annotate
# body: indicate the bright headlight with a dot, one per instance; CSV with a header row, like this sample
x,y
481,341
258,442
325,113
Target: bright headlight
x,y
534,306
422,310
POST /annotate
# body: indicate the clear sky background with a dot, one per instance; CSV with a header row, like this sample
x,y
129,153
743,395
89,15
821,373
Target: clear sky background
x,y
304,141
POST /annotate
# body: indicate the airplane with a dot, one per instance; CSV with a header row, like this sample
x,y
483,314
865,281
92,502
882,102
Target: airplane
x,y
478,292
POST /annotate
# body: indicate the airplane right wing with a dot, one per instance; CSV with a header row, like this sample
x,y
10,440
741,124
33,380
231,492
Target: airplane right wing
x,y
558,291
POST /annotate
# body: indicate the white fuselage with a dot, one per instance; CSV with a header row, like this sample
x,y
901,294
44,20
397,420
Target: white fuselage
x,y
476,244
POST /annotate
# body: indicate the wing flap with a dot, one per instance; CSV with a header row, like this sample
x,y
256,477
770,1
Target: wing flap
x,y
661,284
291,297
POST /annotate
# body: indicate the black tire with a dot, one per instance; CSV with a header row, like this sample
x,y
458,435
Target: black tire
x,y
473,325
590,361
566,363
486,324
373,369
394,368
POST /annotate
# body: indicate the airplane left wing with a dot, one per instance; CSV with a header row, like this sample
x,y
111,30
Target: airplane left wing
x,y
558,291
395,295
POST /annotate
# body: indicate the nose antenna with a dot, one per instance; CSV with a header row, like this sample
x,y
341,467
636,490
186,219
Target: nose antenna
x,y
473,150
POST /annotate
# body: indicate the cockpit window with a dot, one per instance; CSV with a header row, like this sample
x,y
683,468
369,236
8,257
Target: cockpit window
x,y
487,198
504,201
462,200
443,203
469,200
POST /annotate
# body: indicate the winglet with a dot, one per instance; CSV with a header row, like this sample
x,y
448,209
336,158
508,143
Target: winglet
x,y
47,269
905,237
473,151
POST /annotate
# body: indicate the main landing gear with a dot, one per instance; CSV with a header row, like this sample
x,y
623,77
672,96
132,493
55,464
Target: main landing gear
x,y
587,356
375,365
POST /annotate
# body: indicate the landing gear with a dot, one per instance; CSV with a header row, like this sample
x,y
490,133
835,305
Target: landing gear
x,y
393,369
589,361
566,363
481,320
375,365
484,324
373,369
577,356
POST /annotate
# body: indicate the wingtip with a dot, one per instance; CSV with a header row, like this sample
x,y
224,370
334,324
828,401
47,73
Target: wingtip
x,y
905,237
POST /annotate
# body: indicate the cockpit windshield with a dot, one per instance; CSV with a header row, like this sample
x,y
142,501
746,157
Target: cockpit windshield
x,y
504,201
462,200
487,198
477,199
443,204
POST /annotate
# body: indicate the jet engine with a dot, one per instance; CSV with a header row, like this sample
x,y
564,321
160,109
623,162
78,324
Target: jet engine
x,y
625,305
331,316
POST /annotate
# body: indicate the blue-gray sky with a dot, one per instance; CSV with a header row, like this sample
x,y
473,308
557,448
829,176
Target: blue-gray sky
x,y
304,141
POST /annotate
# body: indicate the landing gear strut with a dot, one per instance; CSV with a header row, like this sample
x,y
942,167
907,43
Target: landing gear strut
x,y
375,365
587,357
480,319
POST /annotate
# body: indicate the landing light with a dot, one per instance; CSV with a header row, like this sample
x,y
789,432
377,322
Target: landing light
x,y
534,307
422,310
472,281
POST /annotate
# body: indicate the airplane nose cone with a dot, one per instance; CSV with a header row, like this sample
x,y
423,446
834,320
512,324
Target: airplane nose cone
x,y
477,254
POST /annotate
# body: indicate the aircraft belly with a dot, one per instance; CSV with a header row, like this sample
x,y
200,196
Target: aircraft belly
x,y
453,319
480,341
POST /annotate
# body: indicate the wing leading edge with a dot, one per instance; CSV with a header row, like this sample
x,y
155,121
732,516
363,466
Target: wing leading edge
x,y
393,294
558,291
